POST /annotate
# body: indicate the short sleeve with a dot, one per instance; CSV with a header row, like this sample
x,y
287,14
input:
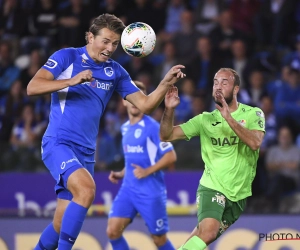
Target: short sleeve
x,y
163,147
59,61
256,120
192,127
125,85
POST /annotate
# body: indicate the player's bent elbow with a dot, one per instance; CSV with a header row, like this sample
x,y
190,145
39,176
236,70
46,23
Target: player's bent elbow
x,y
147,111
255,146
29,90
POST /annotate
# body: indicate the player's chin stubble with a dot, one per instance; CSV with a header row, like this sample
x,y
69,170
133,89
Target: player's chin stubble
x,y
228,100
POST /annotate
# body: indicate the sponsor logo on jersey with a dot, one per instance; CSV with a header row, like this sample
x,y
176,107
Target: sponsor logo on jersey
x,y
160,225
133,149
260,114
99,85
137,133
232,140
220,199
215,124
50,64
64,163
242,122
108,71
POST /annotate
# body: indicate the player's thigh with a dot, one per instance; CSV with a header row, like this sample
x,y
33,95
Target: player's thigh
x,y
59,212
58,158
80,181
86,156
64,160
210,204
232,212
122,206
153,211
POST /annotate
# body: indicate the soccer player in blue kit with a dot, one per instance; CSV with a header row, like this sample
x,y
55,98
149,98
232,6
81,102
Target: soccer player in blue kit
x,y
143,188
81,81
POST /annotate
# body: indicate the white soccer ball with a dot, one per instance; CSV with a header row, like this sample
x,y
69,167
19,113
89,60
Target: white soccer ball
x,y
138,39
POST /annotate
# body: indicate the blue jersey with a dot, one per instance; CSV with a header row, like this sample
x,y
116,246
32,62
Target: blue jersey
x,y
76,111
142,146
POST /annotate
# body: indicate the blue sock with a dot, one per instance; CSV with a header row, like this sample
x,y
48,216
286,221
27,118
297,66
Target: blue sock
x,y
167,246
71,225
48,239
119,244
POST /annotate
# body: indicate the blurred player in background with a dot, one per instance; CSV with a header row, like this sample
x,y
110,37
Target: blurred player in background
x,y
143,189
81,81
230,139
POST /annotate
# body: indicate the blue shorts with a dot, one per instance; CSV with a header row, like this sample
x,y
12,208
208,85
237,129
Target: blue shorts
x,y
128,204
62,158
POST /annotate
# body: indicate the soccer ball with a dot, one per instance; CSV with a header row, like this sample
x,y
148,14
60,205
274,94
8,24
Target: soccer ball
x,y
138,39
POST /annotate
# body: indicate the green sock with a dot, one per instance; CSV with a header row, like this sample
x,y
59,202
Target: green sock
x,y
194,243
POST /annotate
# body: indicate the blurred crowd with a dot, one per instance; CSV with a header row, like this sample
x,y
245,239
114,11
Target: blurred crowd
x,y
260,39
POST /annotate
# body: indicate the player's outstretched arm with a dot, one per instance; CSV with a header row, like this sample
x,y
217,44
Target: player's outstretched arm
x,y
148,103
167,159
43,82
169,132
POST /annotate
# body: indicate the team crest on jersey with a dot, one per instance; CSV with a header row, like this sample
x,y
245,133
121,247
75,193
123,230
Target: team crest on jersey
x,y
137,133
50,64
108,71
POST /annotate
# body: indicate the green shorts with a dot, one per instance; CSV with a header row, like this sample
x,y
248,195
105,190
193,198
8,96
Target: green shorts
x,y
214,204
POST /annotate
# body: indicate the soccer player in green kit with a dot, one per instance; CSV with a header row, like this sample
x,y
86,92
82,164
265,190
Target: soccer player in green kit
x,y
230,138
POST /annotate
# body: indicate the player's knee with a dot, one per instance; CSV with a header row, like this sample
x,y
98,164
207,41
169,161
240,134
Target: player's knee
x,y
86,194
113,232
208,236
159,240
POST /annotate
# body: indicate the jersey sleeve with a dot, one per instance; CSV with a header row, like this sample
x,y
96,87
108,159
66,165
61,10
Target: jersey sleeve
x,y
59,61
125,85
192,127
162,147
256,120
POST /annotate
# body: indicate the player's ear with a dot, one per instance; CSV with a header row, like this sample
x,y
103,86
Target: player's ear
x,y
90,37
236,89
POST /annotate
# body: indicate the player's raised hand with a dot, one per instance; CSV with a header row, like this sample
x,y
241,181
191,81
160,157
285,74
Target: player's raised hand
x,y
83,76
140,172
172,99
174,74
114,177
223,108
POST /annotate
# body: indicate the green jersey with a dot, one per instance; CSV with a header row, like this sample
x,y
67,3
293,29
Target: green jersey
x,y
230,165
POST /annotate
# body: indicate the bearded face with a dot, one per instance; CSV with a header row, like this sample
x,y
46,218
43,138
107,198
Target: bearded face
x,y
224,85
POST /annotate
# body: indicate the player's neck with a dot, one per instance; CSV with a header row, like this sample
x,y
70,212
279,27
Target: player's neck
x,y
233,106
135,119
